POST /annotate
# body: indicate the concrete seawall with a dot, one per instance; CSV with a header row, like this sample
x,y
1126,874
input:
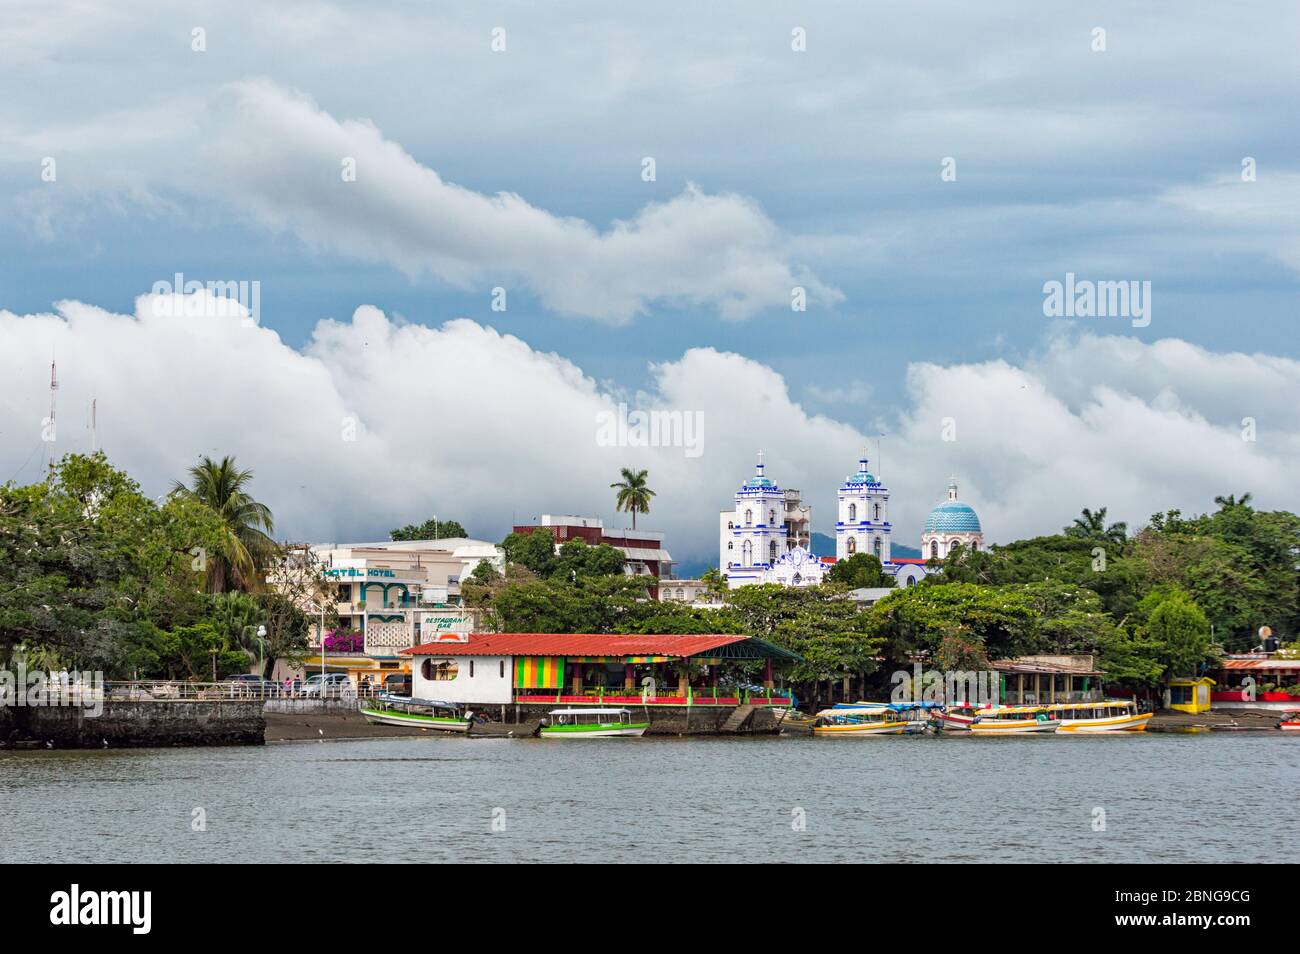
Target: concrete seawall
x,y
135,724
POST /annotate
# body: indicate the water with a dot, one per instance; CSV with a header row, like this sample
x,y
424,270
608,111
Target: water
x,y
1167,798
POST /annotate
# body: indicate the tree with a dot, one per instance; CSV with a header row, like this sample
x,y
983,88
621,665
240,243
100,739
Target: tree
x,y
1093,526
432,529
247,546
858,571
576,559
714,581
633,494
1178,631
917,619
534,550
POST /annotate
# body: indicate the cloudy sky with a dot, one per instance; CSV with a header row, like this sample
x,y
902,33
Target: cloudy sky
x,y
919,172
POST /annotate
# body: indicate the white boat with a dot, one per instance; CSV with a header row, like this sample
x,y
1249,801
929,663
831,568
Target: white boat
x,y
591,724
847,721
1290,721
420,713
1111,715
1014,720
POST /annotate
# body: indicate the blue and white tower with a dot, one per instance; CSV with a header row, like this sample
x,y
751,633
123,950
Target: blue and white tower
x,y
752,537
862,522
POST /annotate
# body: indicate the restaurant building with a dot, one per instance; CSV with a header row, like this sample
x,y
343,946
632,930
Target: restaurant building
x,y
545,669
1256,681
643,550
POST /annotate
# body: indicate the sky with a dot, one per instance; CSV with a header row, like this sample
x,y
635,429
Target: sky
x,y
464,263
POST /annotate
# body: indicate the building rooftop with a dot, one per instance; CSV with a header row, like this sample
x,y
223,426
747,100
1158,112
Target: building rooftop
x,y
604,644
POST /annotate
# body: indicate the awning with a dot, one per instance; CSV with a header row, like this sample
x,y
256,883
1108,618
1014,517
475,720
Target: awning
x,y
539,672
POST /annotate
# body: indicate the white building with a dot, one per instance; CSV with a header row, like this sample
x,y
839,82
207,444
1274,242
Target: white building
x,y
765,525
862,522
951,522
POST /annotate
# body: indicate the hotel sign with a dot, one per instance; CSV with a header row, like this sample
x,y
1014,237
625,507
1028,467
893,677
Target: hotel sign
x,y
359,573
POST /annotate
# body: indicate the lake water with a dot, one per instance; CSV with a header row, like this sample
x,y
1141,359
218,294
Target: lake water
x,y
1166,798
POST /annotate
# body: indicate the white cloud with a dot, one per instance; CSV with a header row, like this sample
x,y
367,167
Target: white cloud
x,y
463,421
279,158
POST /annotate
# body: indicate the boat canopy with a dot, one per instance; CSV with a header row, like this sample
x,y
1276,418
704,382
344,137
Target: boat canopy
x,y
568,712
409,701
843,710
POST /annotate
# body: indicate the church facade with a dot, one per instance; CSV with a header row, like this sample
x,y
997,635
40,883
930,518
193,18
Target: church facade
x,y
766,536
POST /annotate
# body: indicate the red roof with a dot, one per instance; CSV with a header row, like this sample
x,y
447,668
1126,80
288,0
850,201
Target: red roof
x,y
577,644
1272,663
916,560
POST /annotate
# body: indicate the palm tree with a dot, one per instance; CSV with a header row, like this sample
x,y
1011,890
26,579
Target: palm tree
x,y
1230,501
248,524
633,495
1093,526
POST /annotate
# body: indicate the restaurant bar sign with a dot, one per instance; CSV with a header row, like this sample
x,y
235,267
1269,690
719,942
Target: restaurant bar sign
x,y
443,627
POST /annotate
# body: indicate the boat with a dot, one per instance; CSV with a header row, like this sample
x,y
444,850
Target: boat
x,y
850,721
1110,715
591,724
386,709
1290,721
1014,720
958,717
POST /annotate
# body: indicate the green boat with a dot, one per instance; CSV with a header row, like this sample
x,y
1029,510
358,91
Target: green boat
x,y
422,713
591,724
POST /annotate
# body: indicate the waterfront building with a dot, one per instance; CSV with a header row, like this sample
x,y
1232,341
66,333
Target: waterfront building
x,y
1257,680
951,523
643,550
387,597
1189,695
481,669
1046,679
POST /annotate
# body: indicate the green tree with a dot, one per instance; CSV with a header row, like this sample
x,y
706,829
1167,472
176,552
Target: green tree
x,y
633,494
1092,525
1179,632
432,529
858,571
576,558
534,550
818,623
247,547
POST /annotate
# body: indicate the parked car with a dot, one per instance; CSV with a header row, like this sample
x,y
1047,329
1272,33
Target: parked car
x,y
251,684
332,685
398,683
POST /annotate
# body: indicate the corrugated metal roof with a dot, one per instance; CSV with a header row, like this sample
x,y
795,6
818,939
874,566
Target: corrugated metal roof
x,y
1260,664
576,644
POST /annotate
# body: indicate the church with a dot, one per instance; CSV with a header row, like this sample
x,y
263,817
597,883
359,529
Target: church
x,y
766,536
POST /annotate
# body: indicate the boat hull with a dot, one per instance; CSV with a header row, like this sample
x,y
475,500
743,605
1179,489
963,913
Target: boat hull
x,y
599,731
852,731
1015,727
439,723
1289,726
1128,723
950,723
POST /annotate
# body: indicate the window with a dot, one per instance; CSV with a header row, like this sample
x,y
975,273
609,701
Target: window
x,y
771,516
749,517
877,547
731,525
852,546
853,511
438,670
771,552
747,553
502,671
471,669
934,549
877,512
731,545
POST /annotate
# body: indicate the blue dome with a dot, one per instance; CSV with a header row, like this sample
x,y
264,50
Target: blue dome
x,y
758,483
952,516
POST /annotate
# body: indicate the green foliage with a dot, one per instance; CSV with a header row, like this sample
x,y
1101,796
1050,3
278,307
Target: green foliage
x,y
534,550
432,529
577,559
246,548
860,570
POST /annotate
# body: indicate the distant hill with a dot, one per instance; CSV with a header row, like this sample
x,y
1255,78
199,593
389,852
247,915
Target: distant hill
x,y
824,545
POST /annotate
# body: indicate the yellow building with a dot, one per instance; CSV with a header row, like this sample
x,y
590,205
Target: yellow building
x,y
1190,695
